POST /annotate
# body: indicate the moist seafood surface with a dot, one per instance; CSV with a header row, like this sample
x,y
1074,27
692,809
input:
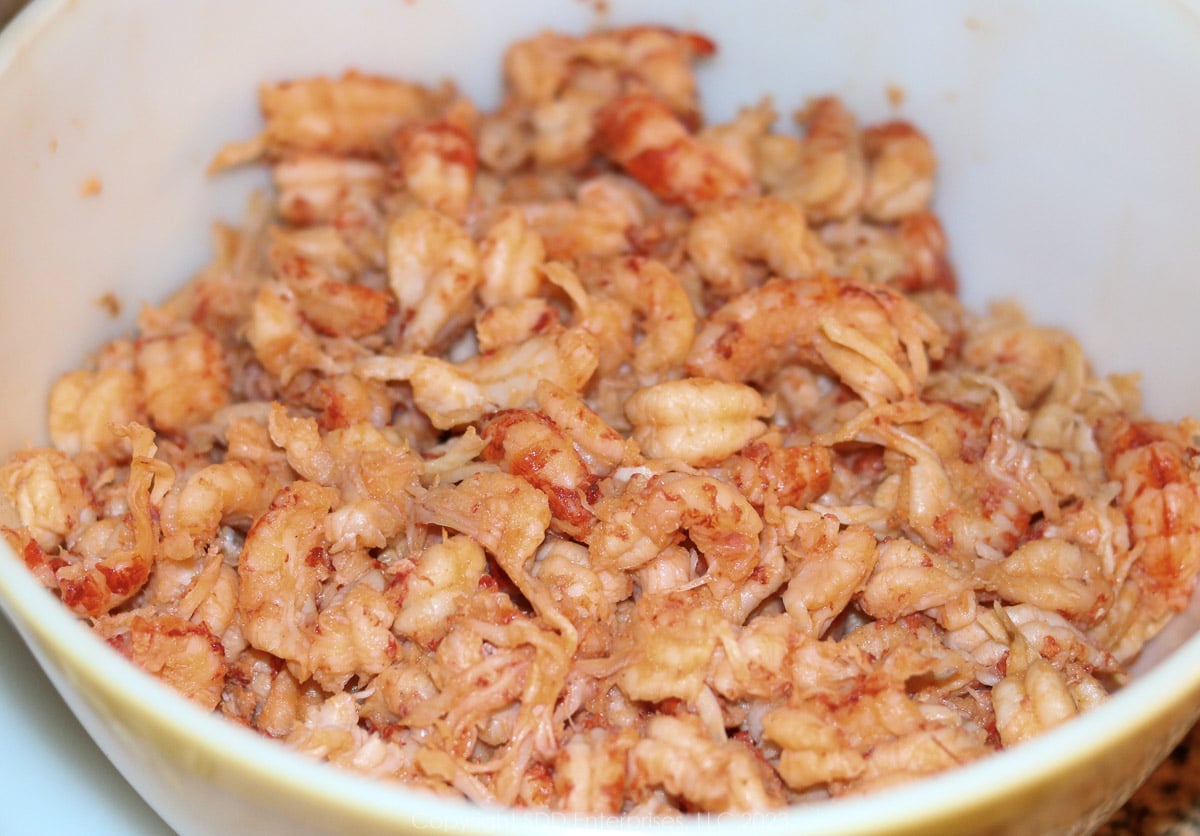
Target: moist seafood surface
x,y
582,454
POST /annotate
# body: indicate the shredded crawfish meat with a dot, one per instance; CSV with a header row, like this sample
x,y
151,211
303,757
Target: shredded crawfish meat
x,y
581,454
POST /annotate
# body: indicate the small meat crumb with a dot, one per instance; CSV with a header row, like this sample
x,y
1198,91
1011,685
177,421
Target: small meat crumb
x,y
110,303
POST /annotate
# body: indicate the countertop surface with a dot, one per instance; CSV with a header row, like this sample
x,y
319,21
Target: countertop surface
x,y
55,779
1169,803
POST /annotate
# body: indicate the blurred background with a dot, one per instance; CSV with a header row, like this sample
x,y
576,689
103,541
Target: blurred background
x,y
8,8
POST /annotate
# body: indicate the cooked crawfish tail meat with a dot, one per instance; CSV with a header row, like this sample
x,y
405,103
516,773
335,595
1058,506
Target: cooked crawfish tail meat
x,y
588,455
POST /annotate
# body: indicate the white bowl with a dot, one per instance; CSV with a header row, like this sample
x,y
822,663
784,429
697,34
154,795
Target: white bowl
x,y
1066,134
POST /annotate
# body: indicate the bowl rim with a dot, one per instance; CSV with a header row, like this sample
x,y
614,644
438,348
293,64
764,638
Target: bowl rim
x,y
40,618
